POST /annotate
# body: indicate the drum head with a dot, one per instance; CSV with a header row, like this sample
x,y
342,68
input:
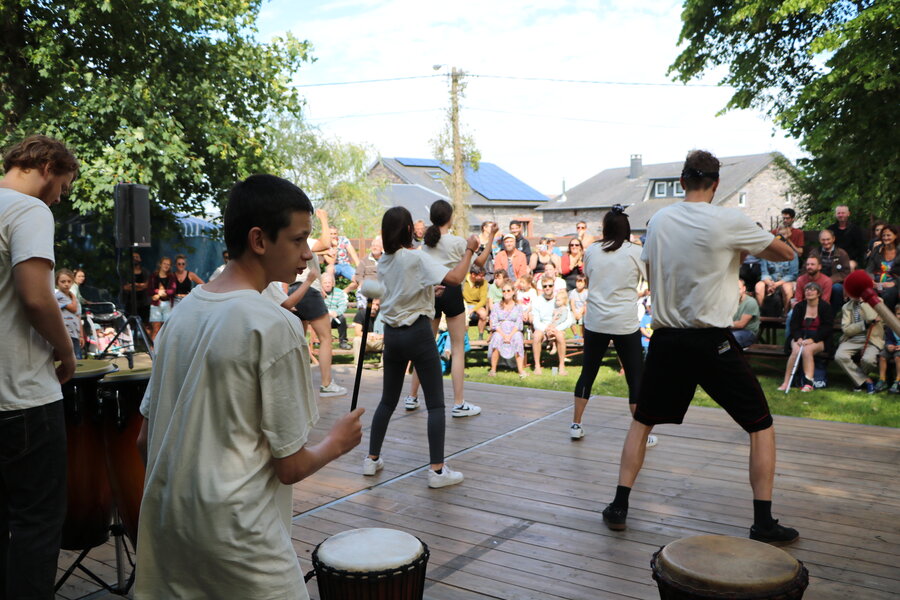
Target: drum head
x,y
369,549
128,375
727,564
91,368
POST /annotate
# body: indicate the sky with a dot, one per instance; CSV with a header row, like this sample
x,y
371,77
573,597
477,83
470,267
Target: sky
x,y
521,114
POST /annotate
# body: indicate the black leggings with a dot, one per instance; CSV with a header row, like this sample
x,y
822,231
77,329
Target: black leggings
x,y
628,347
403,344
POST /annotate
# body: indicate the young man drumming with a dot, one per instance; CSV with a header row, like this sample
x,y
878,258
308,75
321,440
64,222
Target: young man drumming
x,y
229,409
693,253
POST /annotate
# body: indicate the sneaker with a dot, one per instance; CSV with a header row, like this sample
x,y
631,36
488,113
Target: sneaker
x,y
345,346
614,517
652,440
895,388
332,389
870,387
880,386
465,410
370,467
411,403
774,534
444,478
576,432
820,384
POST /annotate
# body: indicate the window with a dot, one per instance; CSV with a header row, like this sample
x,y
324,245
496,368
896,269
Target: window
x,y
742,199
436,175
659,189
679,191
788,198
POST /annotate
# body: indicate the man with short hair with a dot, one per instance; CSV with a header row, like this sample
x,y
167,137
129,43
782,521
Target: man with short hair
x,y
544,327
813,274
419,228
221,267
745,327
229,410
793,237
862,337
581,231
694,289
38,171
475,297
835,263
522,244
848,235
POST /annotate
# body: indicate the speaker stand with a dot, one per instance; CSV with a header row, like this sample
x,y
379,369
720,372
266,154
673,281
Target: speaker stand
x,y
123,584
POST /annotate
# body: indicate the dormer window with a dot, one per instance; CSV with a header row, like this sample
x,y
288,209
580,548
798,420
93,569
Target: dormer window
x,y
659,189
679,191
436,175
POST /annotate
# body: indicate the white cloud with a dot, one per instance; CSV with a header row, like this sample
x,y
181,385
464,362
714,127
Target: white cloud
x,y
540,131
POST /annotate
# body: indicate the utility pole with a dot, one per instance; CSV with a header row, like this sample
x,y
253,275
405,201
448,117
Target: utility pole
x,y
458,182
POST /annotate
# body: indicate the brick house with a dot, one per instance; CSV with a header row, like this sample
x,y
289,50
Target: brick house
x,y
755,184
495,195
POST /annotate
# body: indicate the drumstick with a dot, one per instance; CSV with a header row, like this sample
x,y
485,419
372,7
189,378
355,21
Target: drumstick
x,y
859,284
372,290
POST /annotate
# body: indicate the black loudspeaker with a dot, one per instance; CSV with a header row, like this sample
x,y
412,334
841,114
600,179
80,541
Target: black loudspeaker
x,y
132,206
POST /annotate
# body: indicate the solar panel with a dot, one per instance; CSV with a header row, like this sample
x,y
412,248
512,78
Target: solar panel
x,y
489,180
422,162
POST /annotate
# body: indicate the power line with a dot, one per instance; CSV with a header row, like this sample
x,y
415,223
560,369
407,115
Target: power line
x,y
361,81
514,78
379,114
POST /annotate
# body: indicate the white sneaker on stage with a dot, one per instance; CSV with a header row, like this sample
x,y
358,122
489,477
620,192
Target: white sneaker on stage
x,y
444,478
370,467
576,431
465,410
411,403
332,389
652,440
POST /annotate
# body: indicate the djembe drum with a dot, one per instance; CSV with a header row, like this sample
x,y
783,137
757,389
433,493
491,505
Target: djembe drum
x,y
371,564
716,567
121,394
89,500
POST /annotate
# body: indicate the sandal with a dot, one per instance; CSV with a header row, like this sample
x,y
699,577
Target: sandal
x,y
492,373
807,388
523,375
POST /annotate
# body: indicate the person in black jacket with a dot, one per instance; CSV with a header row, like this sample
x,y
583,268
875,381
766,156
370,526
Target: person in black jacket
x,y
812,324
848,236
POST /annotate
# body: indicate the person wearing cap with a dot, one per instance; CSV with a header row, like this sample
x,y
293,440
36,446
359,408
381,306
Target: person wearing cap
x,y
510,259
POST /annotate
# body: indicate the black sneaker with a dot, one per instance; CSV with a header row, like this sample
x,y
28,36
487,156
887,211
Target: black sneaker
x,y
774,534
614,517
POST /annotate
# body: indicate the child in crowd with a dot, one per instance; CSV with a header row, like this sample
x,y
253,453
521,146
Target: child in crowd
x,y
495,291
578,304
891,351
562,316
525,296
646,323
71,310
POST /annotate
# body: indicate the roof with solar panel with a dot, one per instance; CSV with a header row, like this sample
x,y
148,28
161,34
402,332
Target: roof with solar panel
x,y
490,184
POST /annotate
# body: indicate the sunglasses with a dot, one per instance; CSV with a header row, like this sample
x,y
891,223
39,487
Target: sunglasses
x,y
180,264
581,227
548,286
574,245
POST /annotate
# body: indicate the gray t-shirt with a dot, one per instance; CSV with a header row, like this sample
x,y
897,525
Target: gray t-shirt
x,y
749,306
409,278
27,377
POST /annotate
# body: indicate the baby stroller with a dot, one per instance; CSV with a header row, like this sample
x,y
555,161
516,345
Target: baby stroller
x,y
102,320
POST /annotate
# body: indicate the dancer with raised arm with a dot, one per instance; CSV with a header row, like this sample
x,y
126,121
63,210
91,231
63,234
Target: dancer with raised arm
x,y
407,310
693,253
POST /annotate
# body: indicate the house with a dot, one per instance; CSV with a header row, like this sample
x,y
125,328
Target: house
x,y
494,195
756,184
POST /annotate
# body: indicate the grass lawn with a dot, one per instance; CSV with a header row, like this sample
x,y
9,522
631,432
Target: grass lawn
x,y
837,402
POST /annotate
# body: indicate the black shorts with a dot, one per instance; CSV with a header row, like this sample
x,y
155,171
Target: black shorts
x,y
450,302
311,305
681,359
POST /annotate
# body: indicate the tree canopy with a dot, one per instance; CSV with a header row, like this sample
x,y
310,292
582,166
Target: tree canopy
x,y
175,94
828,72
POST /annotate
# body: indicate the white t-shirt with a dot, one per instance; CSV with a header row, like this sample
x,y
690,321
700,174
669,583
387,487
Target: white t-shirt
x,y
27,377
449,250
275,292
230,391
409,278
694,254
613,280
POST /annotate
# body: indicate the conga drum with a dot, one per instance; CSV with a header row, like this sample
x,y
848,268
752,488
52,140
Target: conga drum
x,y
714,567
89,499
121,394
371,564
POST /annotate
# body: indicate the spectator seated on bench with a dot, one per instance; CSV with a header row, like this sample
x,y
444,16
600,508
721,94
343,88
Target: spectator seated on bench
x,y
863,336
812,324
746,320
375,337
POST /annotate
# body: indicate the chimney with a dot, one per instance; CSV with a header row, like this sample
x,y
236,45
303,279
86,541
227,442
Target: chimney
x,y
636,167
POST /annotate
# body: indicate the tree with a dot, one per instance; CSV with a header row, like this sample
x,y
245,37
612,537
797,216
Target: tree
x,y
332,173
457,149
827,72
177,95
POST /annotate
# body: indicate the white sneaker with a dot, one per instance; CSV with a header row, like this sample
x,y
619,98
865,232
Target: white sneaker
x,y
652,440
444,478
370,467
332,389
411,402
465,410
576,431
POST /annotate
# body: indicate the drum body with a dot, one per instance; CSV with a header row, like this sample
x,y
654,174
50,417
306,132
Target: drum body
x,y
716,567
89,498
121,394
371,564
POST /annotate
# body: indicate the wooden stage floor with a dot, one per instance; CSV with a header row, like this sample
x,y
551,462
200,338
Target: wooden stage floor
x,y
526,521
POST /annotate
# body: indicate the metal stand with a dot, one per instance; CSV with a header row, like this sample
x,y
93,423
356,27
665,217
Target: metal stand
x,y
123,584
134,319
